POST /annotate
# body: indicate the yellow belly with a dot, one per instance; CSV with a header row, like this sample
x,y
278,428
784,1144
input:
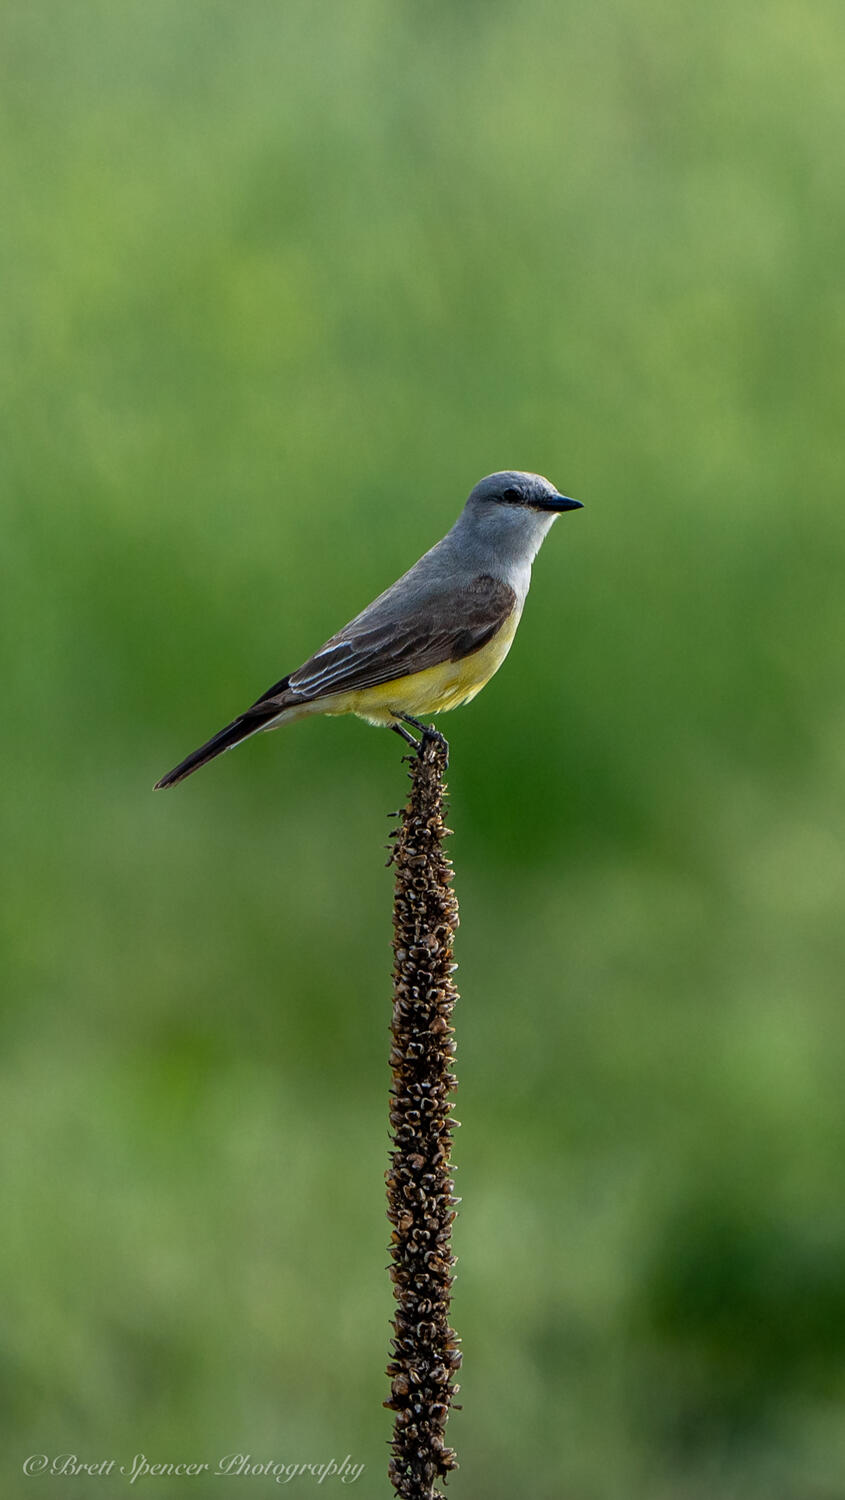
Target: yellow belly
x,y
432,691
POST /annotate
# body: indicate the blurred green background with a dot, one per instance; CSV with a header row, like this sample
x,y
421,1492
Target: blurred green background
x,y
280,282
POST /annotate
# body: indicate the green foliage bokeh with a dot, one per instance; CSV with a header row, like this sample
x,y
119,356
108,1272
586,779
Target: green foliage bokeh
x,y
280,283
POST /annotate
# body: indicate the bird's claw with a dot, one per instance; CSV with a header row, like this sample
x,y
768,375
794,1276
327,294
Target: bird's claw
x,y
428,734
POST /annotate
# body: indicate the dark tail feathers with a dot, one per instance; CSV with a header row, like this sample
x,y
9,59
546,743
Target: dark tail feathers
x,y
240,729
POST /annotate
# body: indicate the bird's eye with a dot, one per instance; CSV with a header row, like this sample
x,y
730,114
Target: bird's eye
x,y
513,496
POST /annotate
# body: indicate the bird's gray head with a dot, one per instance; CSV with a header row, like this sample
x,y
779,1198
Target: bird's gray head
x,y
513,488
512,512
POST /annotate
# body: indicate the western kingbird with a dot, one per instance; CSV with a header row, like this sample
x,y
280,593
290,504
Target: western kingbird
x,y
430,642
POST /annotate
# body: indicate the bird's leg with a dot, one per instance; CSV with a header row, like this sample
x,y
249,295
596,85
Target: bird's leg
x,y
408,738
429,733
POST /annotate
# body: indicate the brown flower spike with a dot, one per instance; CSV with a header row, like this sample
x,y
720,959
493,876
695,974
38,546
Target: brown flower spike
x,y
421,1204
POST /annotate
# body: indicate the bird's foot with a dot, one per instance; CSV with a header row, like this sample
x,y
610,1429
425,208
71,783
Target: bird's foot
x,y
430,735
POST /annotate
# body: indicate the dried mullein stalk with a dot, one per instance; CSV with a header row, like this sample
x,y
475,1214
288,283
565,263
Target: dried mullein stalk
x,y
421,1204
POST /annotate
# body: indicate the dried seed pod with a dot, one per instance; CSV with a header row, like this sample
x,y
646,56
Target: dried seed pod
x,y
421,1203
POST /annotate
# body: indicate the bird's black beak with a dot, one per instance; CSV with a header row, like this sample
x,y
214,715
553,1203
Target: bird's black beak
x,y
556,503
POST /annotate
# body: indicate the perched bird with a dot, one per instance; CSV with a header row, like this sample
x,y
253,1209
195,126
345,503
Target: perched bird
x,y
430,642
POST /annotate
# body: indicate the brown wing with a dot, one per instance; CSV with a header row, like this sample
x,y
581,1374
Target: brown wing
x,y
363,654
